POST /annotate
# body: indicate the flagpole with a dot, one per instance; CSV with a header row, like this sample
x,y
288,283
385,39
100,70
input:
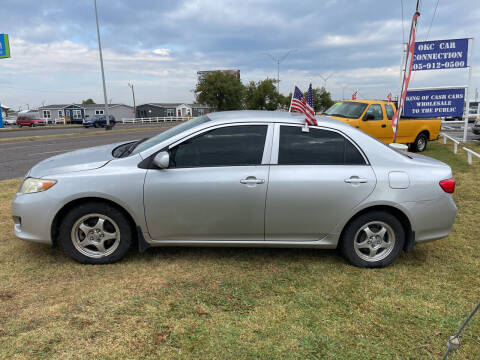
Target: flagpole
x,y
405,80
293,92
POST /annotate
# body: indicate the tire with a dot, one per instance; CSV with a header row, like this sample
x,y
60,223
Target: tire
x,y
376,247
95,125
420,143
88,240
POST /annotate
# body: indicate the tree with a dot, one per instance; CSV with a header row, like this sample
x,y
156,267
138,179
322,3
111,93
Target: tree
x,y
321,99
88,101
220,90
262,95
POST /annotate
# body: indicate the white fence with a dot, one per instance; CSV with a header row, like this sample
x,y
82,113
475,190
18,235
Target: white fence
x,y
154,120
470,153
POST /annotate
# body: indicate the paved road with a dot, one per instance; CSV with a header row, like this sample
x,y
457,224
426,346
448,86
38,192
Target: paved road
x,y
67,130
16,157
455,131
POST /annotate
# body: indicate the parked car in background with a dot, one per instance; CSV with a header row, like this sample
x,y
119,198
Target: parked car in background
x,y
9,120
476,127
31,119
204,183
98,121
375,118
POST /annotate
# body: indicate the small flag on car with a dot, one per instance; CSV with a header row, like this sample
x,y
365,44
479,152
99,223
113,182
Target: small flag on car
x,y
389,97
309,110
354,95
298,101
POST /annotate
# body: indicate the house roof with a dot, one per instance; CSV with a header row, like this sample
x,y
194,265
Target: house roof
x,y
171,105
84,106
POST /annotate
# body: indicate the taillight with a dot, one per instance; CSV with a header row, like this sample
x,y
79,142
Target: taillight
x,y
448,185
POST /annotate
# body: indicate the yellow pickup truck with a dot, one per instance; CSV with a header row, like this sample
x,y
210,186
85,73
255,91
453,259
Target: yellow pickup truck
x,y
375,118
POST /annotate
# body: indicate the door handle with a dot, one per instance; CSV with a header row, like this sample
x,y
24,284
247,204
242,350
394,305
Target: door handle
x,y
355,180
252,180
383,125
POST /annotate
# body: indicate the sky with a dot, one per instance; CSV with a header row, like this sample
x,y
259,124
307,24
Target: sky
x,y
160,45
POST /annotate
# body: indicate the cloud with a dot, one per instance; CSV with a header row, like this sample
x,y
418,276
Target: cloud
x,y
160,45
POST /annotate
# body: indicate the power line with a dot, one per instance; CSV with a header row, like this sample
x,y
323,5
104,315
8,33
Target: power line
x,y
431,22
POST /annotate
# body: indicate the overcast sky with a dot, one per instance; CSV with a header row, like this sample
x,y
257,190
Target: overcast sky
x,y
160,45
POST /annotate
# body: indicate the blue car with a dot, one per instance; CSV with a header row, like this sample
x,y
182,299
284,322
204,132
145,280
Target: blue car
x,y
98,121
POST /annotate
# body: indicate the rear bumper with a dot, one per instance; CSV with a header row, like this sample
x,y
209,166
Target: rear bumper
x,y
431,219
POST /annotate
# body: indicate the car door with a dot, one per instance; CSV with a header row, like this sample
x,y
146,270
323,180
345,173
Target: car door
x,y
375,124
319,178
214,188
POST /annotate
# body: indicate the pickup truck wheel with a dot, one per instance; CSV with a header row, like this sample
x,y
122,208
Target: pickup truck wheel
x,y
373,240
95,233
420,143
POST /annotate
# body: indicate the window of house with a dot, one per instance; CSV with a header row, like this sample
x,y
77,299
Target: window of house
x,y
60,113
201,112
376,111
316,147
389,110
47,114
226,146
170,112
99,112
77,114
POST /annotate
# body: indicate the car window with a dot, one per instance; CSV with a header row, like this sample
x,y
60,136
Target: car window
x,y
376,111
389,110
226,146
316,147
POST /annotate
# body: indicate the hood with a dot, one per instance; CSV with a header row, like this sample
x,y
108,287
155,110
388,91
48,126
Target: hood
x,y
79,160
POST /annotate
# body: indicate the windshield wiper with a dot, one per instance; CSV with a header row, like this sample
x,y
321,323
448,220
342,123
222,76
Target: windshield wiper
x,y
129,149
337,115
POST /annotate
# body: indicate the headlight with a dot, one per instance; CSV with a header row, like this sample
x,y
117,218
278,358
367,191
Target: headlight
x,y
32,185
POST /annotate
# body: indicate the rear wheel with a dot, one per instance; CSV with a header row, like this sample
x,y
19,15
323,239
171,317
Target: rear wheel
x,y
373,240
420,143
95,233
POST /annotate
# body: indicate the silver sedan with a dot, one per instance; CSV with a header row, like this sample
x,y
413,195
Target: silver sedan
x,y
240,178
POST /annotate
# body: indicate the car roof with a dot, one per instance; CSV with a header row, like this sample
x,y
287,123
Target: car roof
x,y
270,116
369,101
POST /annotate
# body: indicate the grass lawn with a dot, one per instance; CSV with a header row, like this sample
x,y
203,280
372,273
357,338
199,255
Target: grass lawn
x,y
207,303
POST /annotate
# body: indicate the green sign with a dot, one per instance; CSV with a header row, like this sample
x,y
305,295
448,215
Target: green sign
x,y
4,46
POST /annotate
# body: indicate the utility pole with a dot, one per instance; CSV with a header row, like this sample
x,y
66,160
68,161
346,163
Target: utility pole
x,y
107,117
278,61
133,95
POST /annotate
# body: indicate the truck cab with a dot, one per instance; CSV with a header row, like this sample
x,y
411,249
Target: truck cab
x,y
375,118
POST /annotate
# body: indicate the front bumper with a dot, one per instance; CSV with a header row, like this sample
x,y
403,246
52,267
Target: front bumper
x,y
32,216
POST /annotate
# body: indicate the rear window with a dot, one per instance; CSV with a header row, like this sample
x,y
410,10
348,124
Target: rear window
x,y
316,147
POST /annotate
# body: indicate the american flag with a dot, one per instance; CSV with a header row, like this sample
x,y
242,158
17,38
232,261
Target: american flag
x,y
298,101
309,110
389,97
354,95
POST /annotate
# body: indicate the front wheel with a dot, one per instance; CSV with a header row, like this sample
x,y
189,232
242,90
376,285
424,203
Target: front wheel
x,y
420,143
95,233
373,240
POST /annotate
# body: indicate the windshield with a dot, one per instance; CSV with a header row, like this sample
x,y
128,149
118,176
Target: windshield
x,y
347,109
169,133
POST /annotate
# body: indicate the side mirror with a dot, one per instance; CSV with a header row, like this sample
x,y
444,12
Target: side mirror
x,y
368,117
162,160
